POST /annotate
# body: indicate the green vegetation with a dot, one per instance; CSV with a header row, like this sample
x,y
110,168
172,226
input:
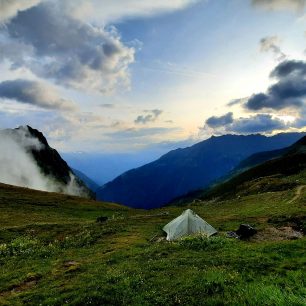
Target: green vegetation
x,y
53,252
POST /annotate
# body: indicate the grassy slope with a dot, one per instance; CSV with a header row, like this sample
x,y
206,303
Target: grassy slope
x,y
53,252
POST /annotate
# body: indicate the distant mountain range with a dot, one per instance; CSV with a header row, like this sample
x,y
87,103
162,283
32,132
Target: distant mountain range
x,y
184,170
104,167
278,165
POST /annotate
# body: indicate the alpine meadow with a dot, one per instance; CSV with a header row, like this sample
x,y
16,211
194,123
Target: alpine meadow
x,y
153,152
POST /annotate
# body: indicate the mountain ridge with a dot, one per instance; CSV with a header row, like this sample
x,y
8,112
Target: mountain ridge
x,y
185,169
291,162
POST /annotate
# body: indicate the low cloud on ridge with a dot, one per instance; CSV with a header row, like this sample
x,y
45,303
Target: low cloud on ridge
x,y
17,166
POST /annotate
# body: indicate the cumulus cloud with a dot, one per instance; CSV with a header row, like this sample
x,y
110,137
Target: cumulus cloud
x,y
66,50
151,116
214,121
259,123
271,43
280,4
10,8
288,91
290,68
35,93
55,39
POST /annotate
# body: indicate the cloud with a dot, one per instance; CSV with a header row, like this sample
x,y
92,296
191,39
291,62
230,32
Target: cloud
x,y
215,122
10,8
150,117
35,93
288,91
18,167
280,4
107,105
260,123
113,10
133,133
271,43
237,101
68,51
290,68
56,41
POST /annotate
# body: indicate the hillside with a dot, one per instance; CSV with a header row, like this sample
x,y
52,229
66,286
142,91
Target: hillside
x,y
269,176
53,252
93,186
184,170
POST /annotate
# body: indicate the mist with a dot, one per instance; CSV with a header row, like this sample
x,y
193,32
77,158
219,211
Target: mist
x,y
18,167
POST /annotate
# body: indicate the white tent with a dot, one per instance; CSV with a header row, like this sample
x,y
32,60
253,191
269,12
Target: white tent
x,y
186,224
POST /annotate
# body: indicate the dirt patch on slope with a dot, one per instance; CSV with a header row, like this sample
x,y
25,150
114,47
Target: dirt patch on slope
x,y
277,234
28,283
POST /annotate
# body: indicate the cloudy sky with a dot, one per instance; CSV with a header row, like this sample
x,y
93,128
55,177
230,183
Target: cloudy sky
x,y
124,75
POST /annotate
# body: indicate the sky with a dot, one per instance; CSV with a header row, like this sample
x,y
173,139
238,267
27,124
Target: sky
x,y
121,76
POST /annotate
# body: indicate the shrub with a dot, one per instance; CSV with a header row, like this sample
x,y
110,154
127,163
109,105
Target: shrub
x,y
201,242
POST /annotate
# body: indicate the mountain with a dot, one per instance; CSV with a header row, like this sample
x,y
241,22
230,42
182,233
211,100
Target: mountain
x,y
183,170
27,160
258,158
267,176
93,186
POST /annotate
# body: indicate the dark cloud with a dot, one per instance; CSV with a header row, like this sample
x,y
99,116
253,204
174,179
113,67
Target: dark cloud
x,y
270,43
288,91
260,123
35,93
68,50
280,4
237,101
215,122
290,68
151,116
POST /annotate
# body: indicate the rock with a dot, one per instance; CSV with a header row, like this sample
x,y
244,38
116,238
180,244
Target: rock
x,y
246,231
232,235
101,219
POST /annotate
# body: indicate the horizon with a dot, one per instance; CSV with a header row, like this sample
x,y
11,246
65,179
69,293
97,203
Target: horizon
x,y
105,79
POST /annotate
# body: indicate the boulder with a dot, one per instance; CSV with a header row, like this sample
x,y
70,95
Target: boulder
x,y
246,231
101,219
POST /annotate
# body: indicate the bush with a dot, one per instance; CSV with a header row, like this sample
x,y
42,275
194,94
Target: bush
x,y
19,246
201,242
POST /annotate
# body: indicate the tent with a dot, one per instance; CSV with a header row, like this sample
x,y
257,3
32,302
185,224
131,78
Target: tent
x,y
186,224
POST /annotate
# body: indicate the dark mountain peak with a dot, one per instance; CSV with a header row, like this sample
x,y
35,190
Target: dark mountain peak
x,y
36,134
48,160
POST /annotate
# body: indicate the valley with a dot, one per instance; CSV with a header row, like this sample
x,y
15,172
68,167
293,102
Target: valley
x,y
51,248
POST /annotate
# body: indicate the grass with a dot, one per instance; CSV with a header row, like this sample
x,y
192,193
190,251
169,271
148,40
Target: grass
x,y
52,252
